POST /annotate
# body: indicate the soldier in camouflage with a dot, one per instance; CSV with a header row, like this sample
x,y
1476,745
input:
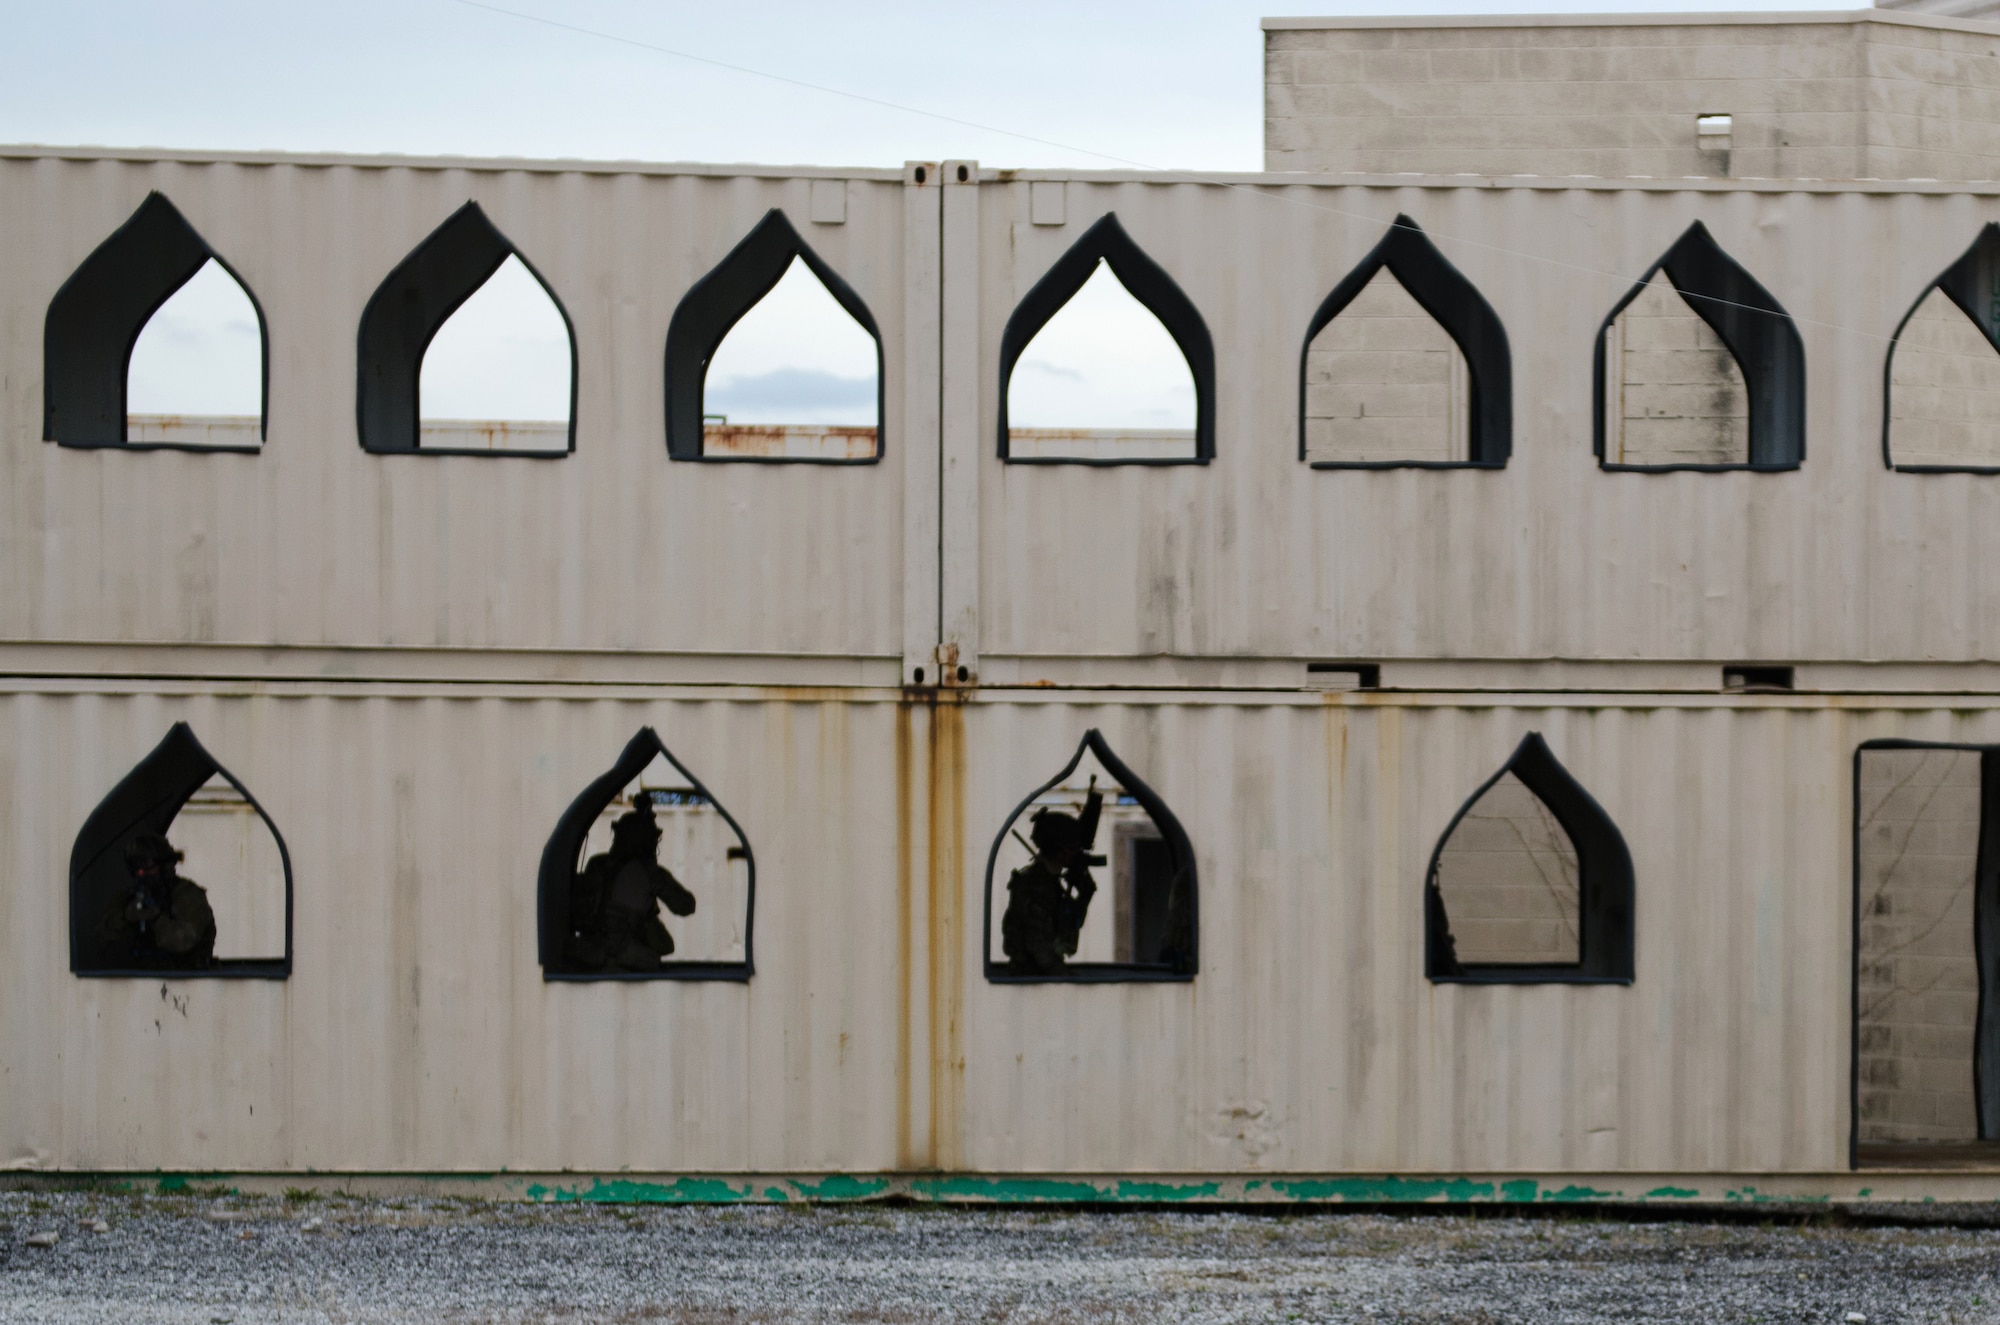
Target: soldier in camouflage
x,y
162,921
1048,897
614,912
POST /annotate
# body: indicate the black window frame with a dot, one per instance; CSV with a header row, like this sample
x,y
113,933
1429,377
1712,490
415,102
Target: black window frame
x,y
1605,885
1456,305
1976,269
1758,333
713,306
146,800
561,856
95,319
1146,281
1178,845
403,316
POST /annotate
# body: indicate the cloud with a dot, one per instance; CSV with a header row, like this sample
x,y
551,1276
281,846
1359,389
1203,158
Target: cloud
x,y
790,390
1048,369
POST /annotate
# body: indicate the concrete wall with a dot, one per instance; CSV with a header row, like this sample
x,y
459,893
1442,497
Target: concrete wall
x,y
1508,876
1918,841
1816,96
1944,392
1674,394
1385,382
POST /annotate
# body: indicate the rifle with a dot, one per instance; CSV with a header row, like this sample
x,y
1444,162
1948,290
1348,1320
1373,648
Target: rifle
x,y
1086,824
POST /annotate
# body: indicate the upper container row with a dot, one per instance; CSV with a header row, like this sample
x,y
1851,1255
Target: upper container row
x,y
154,341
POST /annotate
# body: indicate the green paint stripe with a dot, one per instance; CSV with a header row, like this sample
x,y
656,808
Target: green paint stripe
x,y
970,1188
1385,1189
627,1191
1100,1189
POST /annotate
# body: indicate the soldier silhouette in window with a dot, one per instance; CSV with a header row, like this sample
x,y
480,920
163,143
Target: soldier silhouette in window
x,y
161,919
614,914
1048,898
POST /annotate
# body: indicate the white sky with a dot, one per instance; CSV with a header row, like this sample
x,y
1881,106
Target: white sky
x,y
502,354
200,353
1103,361
797,357
1169,83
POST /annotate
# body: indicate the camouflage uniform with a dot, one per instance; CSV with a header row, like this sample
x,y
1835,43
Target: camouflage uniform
x,y
163,921
1048,897
614,916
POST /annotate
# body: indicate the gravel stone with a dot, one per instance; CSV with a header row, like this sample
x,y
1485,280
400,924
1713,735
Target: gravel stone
x,y
357,1262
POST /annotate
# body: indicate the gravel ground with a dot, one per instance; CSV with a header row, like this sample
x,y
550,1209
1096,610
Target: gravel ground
x,y
240,1260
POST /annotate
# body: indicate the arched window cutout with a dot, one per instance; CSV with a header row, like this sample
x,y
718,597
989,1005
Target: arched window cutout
x,y
1138,918
1405,364
1530,883
796,378
155,316
496,377
131,911
1941,382
197,369
767,361
1703,370
646,877
1101,380
448,271
1107,356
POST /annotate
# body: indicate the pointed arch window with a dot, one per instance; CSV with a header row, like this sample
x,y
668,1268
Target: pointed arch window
x,y
1106,361
1405,364
155,343
1941,379
503,361
1699,367
179,872
1096,881
1531,882
646,877
773,357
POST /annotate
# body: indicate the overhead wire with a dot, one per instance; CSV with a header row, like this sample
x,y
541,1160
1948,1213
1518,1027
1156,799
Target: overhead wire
x,y
1267,191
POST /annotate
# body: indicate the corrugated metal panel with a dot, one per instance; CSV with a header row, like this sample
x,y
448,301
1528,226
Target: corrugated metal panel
x,y
1311,1040
501,627
316,542
416,1031
1257,555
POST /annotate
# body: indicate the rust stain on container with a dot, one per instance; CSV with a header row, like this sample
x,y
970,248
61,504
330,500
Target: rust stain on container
x,y
947,890
789,441
905,867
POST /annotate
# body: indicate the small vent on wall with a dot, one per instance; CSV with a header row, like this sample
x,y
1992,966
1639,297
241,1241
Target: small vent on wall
x,y
1343,676
1756,678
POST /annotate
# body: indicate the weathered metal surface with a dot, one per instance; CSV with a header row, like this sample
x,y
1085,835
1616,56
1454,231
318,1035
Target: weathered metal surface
x,y
416,1032
1255,555
315,542
415,663
793,441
